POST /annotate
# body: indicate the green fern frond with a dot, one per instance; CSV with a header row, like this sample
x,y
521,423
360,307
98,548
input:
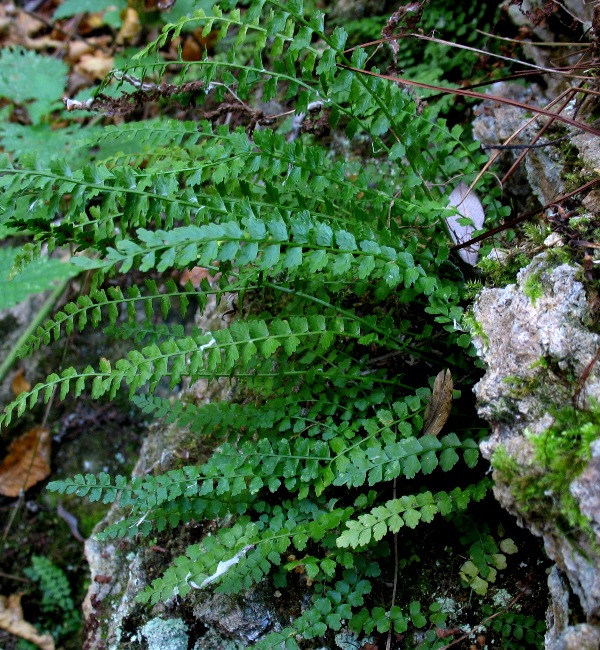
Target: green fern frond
x,y
347,298
239,347
408,511
111,304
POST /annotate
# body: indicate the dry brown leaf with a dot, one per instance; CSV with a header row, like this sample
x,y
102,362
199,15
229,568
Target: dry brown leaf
x,y
440,404
11,620
94,21
26,463
20,28
26,24
196,275
130,28
96,65
191,50
76,49
195,44
19,384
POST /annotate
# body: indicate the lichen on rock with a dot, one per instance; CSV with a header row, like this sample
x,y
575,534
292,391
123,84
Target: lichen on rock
x,y
538,348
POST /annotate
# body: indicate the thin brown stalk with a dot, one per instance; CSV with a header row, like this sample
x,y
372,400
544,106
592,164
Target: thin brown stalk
x,y
519,42
10,576
497,153
433,39
567,94
475,95
484,622
525,216
388,643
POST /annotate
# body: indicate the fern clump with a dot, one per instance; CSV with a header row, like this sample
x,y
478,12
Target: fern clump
x,y
350,253
58,610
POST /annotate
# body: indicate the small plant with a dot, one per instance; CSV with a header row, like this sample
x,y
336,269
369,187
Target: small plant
x,y
502,267
347,254
60,615
517,631
485,556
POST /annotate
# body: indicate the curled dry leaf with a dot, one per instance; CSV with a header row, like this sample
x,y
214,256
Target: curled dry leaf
x,y
468,207
440,404
196,44
19,384
76,49
445,632
11,620
26,463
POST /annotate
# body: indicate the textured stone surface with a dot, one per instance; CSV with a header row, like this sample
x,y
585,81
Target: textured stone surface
x,y
166,634
527,336
589,150
534,339
557,616
242,618
585,489
540,172
578,637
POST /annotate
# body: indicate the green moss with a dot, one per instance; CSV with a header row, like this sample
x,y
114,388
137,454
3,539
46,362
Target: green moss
x,y
532,287
500,272
559,255
560,454
536,233
521,386
474,326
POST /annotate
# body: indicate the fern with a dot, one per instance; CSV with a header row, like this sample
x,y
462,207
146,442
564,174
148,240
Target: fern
x,y
347,252
407,511
60,614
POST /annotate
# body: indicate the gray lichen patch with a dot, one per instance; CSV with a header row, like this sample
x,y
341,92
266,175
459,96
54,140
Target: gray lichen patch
x,y
534,351
166,634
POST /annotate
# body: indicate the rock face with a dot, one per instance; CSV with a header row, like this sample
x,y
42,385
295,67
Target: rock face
x,y
534,340
540,172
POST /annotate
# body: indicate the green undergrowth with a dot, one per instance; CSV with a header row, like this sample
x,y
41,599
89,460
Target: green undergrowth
x,y
53,593
325,222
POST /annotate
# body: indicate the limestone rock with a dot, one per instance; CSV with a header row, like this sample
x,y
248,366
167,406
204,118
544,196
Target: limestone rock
x,y
242,618
534,340
496,122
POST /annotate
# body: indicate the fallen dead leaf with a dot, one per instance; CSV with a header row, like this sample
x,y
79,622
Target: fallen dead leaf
x,y
130,28
96,65
196,275
195,44
11,620
26,463
445,632
94,21
440,404
19,384
76,49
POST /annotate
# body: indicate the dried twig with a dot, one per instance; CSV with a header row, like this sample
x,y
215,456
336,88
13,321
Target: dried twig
x,y
481,96
525,216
